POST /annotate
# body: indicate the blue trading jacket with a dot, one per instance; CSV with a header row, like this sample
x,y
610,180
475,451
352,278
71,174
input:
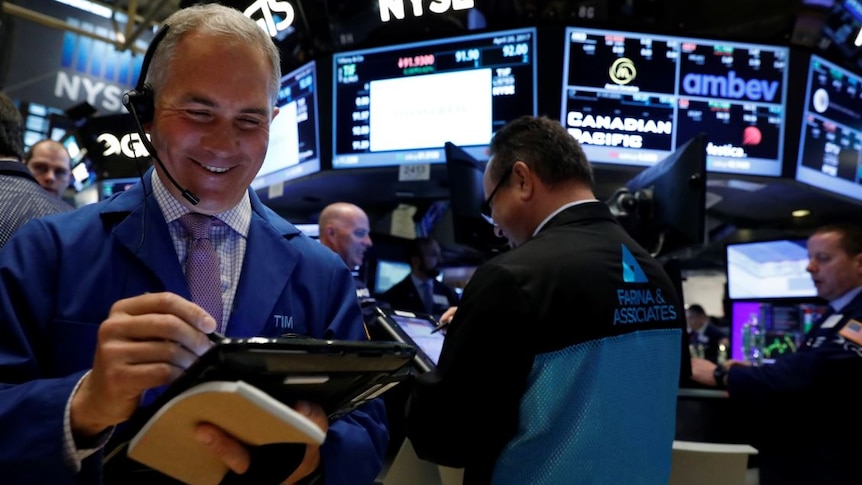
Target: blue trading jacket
x,y
60,275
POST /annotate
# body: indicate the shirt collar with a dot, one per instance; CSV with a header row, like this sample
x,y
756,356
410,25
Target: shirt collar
x,y
237,217
839,303
561,209
418,283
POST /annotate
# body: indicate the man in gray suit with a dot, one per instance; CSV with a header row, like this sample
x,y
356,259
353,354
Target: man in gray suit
x,y
21,196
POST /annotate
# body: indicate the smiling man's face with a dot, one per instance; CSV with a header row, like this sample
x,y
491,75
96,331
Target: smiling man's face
x,y
212,119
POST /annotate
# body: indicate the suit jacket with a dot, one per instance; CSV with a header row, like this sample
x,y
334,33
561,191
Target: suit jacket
x,y
22,199
797,410
60,275
709,340
404,296
563,357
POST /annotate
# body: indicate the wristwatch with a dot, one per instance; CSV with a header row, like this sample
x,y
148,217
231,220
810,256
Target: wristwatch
x,y
720,376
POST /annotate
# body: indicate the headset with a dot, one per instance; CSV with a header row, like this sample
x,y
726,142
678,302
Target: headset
x,y
140,102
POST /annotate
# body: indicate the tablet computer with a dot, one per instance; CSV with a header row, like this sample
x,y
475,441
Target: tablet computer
x,y
416,329
339,375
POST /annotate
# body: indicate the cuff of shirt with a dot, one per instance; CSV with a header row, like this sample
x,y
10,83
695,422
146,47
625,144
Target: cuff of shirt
x,y
75,451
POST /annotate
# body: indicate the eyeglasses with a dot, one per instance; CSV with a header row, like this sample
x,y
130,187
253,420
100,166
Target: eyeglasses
x,y
486,206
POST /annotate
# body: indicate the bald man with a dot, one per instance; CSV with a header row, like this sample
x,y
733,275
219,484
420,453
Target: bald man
x,y
50,164
344,229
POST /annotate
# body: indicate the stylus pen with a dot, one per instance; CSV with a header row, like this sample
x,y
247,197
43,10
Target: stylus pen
x,y
216,337
441,326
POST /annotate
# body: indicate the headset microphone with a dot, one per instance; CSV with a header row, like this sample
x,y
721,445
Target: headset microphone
x,y
140,102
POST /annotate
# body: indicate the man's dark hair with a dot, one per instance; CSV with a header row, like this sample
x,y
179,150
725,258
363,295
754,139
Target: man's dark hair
x,y
11,129
851,236
545,146
414,249
696,309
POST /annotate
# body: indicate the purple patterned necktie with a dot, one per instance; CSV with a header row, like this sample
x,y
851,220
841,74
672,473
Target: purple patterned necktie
x,y
202,266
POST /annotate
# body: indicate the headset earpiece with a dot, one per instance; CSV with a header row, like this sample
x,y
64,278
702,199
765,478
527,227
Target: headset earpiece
x,y
140,103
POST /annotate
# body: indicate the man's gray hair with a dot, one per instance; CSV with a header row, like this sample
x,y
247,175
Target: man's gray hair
x,y
216,20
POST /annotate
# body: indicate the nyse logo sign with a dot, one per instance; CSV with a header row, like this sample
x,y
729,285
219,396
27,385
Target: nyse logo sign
x,y
98,93
390,8
268,14
128,145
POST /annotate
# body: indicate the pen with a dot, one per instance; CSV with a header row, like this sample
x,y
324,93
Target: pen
x,y
215,337
441,326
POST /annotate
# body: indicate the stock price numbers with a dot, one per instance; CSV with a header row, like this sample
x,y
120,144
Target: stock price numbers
x,y
469,55
416,61
515,50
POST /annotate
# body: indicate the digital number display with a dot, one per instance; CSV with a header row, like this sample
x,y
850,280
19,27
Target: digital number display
x,y
831,138
294,149
400,104
633,98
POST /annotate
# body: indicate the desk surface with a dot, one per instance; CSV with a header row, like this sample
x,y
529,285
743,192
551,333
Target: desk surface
x,y
707,393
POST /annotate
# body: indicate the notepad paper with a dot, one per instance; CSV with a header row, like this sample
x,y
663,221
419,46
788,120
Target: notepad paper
x,y
167,443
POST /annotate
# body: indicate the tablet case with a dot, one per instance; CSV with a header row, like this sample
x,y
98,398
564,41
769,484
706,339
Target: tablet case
x,y
339,375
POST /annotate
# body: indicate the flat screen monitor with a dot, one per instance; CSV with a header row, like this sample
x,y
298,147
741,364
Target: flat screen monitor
x,y
467,227
786,324
768,269
294,138
76,152
664,206
831,137
109,187
398,105
387,273
632,98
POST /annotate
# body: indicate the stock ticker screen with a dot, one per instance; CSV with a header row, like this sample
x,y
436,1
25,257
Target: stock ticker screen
x,y
400,104
294,138
632,98
831,141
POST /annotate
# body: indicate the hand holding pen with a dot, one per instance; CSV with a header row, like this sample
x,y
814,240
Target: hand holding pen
x,y
445,319
440,326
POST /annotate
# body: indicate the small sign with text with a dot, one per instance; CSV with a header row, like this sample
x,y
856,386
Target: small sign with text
x,y
419,171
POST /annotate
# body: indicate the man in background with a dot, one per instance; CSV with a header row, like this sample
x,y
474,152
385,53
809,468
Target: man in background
x,y
50,163
420,291
798,411
705,340
572,337
21,198
344,229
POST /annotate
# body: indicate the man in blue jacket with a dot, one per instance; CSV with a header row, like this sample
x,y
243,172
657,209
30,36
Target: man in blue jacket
x,y
95,309
799,410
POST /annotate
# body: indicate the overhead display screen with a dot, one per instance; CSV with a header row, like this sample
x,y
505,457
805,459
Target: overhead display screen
x,y
294,146
400,104
632,98
831,138
769,269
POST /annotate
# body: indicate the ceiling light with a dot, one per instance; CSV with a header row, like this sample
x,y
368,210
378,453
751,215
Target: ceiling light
x,y
800,213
